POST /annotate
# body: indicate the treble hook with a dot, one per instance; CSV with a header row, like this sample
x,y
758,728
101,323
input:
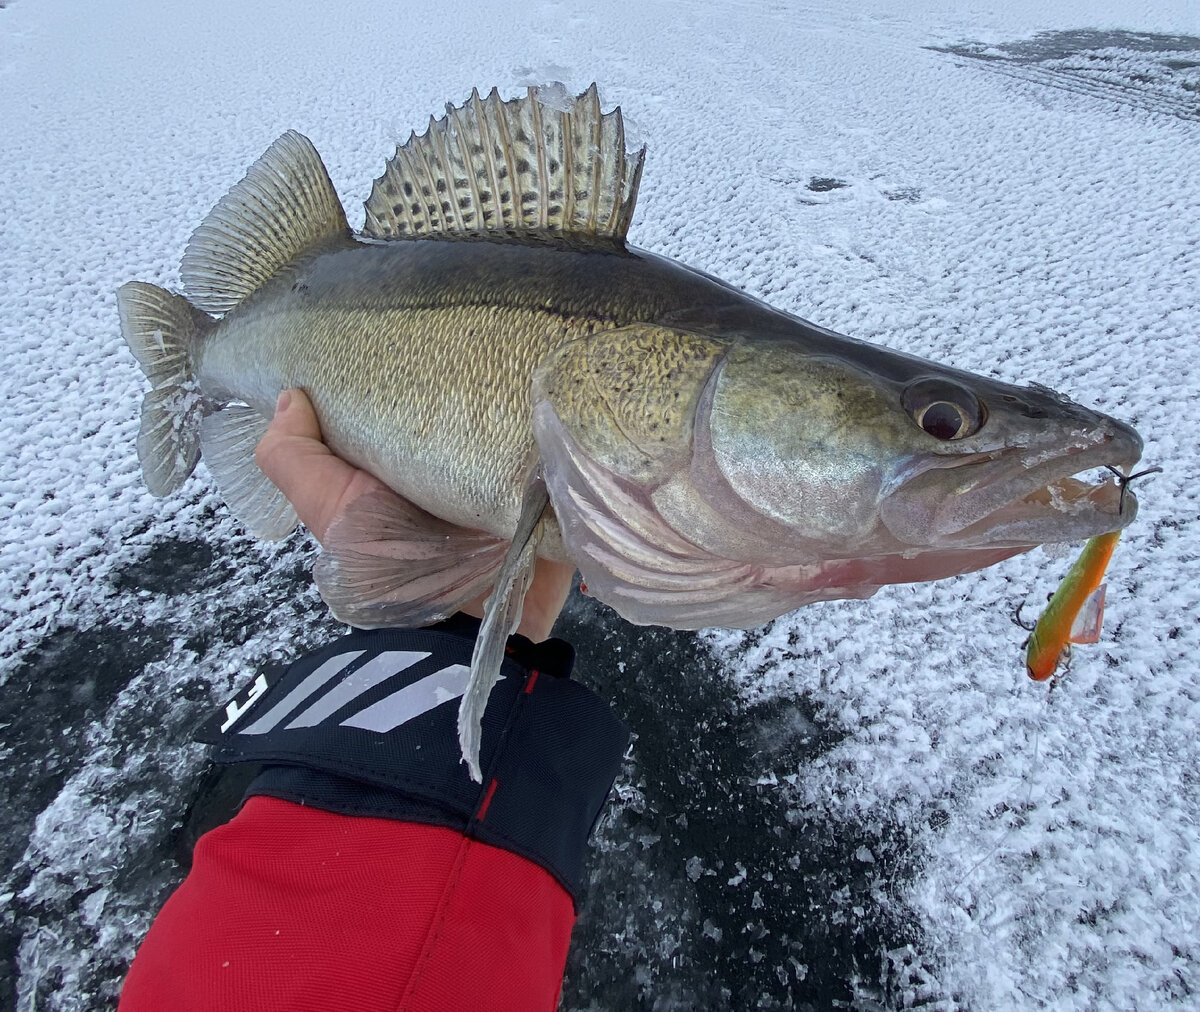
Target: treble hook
x,y
1124,479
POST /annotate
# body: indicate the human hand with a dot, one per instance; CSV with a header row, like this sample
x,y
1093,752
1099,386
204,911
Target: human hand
x,y
320,485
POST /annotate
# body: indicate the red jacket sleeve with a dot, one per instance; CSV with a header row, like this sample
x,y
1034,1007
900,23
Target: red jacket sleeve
x,y
293,908
367,871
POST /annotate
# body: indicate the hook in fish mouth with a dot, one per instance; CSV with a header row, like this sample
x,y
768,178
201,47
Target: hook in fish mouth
x,y
1053,488
1016,497
1123,481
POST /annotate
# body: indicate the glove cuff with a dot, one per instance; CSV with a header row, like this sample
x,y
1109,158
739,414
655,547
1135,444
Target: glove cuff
x,y
368,726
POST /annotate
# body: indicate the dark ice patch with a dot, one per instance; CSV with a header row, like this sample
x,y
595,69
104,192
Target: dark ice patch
x,y
708,889
1058,45
171,566
221,597
1133,68
67,681
823,184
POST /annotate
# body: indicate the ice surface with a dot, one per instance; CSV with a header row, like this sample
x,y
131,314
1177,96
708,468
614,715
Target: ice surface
x,y
1027,213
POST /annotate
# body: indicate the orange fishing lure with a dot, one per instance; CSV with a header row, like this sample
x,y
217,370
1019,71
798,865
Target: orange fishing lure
x,y
1076,610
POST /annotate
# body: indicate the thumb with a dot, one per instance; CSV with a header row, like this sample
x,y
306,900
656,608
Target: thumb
x,y
294,416
293,435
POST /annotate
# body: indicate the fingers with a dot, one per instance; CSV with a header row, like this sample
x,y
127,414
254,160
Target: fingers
x,y
320,485
317,483
544,599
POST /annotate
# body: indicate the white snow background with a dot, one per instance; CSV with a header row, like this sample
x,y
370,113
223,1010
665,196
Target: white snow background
x,y
1032,219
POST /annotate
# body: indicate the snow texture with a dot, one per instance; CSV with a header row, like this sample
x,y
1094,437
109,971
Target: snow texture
x,y
865,803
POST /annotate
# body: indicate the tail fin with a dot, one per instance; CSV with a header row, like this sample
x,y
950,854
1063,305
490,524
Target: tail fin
x,y
284,208
160,329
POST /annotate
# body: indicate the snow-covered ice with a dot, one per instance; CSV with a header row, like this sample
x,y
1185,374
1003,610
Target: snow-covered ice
x,y
866,802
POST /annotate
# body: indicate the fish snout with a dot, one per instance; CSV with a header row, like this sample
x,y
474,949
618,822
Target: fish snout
x,y
1124,442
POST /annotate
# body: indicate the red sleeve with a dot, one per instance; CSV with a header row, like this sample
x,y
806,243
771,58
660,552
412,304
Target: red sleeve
x,y
294,908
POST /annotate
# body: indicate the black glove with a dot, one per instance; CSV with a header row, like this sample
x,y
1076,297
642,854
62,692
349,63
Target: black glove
x,y
368,726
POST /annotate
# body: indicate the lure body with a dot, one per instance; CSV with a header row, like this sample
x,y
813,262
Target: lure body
x,y
1079,597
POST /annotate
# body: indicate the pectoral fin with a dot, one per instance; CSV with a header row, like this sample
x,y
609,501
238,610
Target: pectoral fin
x,y
634,561
501,616
387,562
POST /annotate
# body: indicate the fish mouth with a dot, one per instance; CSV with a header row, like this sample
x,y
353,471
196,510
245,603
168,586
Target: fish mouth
x,y
1017,497
1040,515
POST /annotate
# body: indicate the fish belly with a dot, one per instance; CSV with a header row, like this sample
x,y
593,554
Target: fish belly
x,y
436,403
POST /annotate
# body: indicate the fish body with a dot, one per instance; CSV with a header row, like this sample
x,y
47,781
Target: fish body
x,y
1060,624
527,383
419,357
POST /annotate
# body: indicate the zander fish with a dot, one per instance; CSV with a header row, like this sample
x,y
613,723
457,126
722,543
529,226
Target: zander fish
x,y
527,383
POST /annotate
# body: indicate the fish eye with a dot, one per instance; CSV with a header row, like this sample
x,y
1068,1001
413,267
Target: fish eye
x,y
943,409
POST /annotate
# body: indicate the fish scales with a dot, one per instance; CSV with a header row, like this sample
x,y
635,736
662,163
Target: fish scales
x,y
419,357
525,383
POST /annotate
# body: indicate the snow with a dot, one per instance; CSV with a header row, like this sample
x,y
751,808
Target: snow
x,y
922,174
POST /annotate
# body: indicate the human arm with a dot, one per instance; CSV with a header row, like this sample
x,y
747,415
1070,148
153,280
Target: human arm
x,y
366,870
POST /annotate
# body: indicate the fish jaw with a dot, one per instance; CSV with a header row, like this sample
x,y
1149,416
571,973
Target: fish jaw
x,y
1021,496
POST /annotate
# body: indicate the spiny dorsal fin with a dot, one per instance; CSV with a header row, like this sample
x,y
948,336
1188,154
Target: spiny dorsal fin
x,y
544,164
284,206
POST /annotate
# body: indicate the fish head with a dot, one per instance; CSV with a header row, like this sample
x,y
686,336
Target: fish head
x,y
883,453
704,479
1016,476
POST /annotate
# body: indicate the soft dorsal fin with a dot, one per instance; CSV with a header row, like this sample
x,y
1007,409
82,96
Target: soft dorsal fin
x,y
542,165
285,206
